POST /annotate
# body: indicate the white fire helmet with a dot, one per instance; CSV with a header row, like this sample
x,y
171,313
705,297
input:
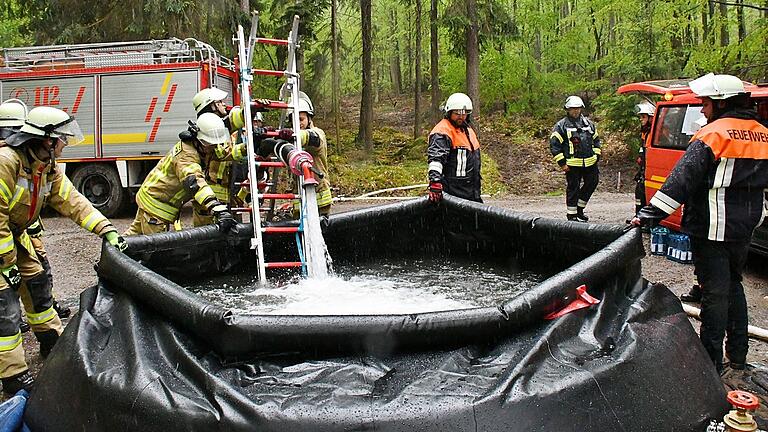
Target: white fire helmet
x,y
717,86
305,104
458,102
645,108
52,122
573,102
211,129
205,97
13,112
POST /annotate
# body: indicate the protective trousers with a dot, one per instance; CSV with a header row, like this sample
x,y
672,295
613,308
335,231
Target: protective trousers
x,y
581,182
35,293
718,268
145,223
639,194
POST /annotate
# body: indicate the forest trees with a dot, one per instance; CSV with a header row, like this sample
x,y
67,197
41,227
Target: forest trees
x,y
515,55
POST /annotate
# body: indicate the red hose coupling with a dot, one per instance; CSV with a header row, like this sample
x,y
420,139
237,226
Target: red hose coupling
x,y
296,160
309,179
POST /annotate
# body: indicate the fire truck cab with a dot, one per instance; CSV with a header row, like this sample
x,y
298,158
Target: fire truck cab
x,y
678,117
130,98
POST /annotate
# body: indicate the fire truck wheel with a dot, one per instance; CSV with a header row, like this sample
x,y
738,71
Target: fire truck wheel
x,y
100,183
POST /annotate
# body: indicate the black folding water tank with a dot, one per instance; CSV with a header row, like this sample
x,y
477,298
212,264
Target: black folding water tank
x,y
146,354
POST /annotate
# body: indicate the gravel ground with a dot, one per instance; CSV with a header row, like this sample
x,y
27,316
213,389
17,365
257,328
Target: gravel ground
x,y
73,252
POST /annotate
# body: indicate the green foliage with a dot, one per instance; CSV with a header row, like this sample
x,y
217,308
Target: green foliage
x,y
397,160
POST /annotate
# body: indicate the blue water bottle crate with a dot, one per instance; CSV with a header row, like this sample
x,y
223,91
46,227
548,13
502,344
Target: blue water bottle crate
x,y
659,240
679,248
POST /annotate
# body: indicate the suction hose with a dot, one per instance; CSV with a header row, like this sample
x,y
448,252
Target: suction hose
x,y
298,161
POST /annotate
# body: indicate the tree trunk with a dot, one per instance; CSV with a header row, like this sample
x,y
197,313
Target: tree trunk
x,y
724,36
335,68
712,22
434,59
473,57
395,72
409,50
740,18
245,6
704,25
417,84
365,133
537,41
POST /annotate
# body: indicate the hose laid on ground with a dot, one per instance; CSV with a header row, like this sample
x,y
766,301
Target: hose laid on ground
x,y
754,332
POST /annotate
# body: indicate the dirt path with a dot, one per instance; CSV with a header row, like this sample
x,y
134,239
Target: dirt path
x,y
73,252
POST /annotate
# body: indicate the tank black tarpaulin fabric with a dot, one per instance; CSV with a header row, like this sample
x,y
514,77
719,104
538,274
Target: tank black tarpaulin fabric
x,y
145,353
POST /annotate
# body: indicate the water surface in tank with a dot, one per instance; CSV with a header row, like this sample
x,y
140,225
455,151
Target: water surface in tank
x,y
391,287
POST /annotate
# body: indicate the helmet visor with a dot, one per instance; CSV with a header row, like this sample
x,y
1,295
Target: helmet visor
x,y
69,132
462,111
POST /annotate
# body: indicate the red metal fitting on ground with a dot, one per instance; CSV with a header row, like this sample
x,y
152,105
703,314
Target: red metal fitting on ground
x,y
739,418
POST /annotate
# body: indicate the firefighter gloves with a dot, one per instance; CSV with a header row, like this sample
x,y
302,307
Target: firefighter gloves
x,y
435,191
116,240
225,221
285,134
12,277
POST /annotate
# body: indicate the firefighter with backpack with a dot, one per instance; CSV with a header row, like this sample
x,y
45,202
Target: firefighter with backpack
x,y
29,180
179,177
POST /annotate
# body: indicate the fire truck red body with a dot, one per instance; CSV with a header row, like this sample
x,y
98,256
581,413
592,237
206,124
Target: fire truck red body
x,y
678,115
130,98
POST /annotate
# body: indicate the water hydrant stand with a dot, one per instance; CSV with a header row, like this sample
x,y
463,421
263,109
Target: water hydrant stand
x,y
739,418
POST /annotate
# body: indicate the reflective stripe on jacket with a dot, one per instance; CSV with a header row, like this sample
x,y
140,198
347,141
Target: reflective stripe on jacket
x,y
164,192
720,179
26,185
313,141
575,142
453,157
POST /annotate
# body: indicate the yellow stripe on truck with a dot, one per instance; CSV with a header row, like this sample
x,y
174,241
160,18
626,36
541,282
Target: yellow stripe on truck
x,y
166,83
653,184
126,138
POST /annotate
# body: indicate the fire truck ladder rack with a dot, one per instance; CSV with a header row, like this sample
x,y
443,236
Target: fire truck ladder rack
x,y
292,83
113,54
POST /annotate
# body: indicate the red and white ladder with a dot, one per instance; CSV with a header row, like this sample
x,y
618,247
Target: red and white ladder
x,y
289,89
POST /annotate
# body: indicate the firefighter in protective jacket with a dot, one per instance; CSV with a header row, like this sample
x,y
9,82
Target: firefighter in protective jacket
x,y
30,179
575,147
312,140
645,112
720,179
179,177
453,153
219,163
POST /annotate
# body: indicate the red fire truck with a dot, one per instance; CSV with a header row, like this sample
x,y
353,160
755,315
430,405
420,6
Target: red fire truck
x,y
678,117
130,98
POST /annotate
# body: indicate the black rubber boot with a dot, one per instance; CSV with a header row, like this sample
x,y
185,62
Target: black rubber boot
x,y
581,216
693,296
47,340
63,311
12,385
24,326
572,217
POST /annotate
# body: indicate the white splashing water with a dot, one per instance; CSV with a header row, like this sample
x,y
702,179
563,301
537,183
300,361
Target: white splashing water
x,y
316,253
355,296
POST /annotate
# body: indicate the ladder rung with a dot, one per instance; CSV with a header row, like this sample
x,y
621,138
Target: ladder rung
x,y
278,196
271,105
280,230
267,72
269,41
270,164
283,264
